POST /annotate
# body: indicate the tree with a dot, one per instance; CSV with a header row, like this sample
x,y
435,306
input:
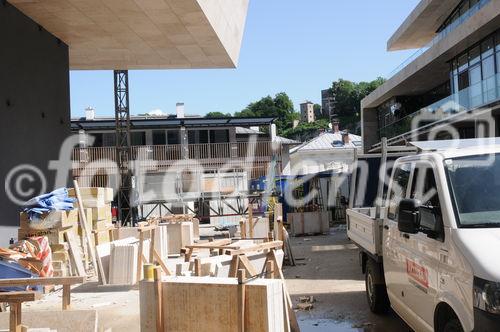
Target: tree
x,y
348,96
280,107
217,115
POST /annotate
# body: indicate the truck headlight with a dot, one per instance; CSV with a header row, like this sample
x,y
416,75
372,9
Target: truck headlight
x,y
487,295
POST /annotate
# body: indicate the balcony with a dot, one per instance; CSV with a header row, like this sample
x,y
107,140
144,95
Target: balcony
x,y
475,96
94,165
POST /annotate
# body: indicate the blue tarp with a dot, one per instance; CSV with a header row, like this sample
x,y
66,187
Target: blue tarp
x,y
56,200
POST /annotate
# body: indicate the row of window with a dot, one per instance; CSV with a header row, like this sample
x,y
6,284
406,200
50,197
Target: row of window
x,y
164,137
463,7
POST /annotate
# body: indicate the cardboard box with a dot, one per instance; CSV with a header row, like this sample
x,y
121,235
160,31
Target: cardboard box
x,y
54,219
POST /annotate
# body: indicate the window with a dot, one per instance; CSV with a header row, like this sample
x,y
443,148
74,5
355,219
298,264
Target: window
x,y
219,136
424,188
109,139
398,189
173,137
138,138
159,137
98,140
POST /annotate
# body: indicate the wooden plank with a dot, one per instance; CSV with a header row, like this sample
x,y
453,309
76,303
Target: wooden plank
x,y
66,297
140,255
41,281
18,297
95,263
164,267
15,317
158,299
74,250
241,300
233,269
258,247
245,262
197,267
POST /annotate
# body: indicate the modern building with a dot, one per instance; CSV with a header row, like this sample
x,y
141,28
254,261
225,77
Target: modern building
x,y
327,103
450,87
43,40
307,112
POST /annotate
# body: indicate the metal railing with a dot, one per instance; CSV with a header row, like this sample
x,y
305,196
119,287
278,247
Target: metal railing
x,y
94,165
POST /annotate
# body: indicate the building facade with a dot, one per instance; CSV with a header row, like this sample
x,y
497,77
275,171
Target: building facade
x,y
450,87
327,103
307,112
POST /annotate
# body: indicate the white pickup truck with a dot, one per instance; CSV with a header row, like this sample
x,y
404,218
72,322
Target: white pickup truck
x,y
433,253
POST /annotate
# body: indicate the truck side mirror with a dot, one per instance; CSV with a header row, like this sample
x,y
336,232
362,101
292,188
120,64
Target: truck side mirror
x,y
408,216
430,221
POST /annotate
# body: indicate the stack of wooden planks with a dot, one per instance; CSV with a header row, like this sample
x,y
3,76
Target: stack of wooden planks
x,y
309,223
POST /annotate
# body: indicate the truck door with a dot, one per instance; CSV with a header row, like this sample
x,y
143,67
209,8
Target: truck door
x,y
394,262
421,250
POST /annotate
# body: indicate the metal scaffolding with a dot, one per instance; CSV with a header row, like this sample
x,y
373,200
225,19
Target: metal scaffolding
x,y
123,146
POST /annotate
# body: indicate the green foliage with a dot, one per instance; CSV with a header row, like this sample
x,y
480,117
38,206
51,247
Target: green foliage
x,y
306,130
348,96
280,107
217,115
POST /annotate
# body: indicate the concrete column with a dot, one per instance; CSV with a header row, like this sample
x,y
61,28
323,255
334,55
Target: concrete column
x,y
183,133
369,128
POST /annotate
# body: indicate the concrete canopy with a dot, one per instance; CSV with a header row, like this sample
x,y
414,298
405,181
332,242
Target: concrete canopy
x,y
421,25
144,34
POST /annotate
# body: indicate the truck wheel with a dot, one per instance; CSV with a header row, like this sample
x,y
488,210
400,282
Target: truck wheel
x,y
453,326
376,292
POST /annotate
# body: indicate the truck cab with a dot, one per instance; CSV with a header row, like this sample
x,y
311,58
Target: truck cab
x,y
435,256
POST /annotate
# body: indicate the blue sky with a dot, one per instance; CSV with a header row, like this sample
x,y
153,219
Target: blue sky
x,y
296,46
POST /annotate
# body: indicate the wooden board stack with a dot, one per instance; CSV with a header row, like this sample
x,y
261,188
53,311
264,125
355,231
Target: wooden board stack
x,y
123,264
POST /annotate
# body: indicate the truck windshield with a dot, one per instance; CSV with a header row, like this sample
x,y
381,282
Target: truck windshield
x,y
475,189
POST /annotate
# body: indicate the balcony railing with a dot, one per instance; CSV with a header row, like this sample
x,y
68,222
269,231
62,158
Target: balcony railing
x,y
440,36
97,163
475,96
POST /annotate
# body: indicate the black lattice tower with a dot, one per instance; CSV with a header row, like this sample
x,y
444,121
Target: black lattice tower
x,y
123,147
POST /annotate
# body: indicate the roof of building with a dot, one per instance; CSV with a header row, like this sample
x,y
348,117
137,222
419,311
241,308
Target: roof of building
x,y
422,24
168,122
277,139
140,34
328,141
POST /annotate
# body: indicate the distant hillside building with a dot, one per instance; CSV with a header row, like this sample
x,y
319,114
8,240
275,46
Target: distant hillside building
x,y
307,112
327,102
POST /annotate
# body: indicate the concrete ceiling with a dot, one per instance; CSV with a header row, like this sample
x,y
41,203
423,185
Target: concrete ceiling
x,y
421,25
144,34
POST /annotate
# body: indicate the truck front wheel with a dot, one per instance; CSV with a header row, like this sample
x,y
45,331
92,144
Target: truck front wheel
x,y
376,292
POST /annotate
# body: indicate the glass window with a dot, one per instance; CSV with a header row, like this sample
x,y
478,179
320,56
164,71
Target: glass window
x,y
474,55
138,138
219,136
173,137
497,39
487,47
203,136
474,185
463,80
159,137
488,67
192,137
398,189
463,62
498,62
